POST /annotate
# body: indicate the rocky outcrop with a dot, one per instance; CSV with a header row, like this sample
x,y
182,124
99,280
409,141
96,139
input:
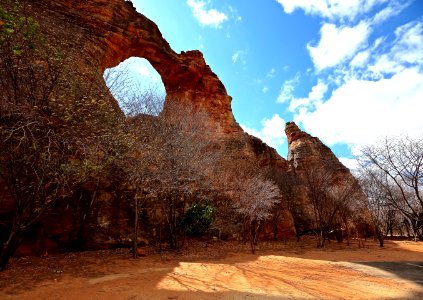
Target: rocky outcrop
x,y
95,35
305,150
98,34
106,32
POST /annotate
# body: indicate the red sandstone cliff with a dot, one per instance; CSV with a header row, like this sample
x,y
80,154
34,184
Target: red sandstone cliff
x,y
99,34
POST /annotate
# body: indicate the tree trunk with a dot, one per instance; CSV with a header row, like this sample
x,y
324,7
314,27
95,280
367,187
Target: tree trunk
x,y
9,248
320,240
275,231
253,235
135,245
379,236
86,212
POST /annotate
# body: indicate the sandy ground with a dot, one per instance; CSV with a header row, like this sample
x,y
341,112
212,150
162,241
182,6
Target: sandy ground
x,y
218,270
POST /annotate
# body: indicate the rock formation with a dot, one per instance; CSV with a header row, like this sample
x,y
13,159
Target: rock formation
x,y
106,32
98,34
304,150
102,33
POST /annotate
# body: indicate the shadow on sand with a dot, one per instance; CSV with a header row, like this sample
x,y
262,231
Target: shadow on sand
x,y
171,275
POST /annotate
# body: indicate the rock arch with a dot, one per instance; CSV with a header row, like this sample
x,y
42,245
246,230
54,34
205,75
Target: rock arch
x,y
186,76
111,31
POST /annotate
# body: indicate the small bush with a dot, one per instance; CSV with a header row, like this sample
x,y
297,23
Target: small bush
x,y
198,218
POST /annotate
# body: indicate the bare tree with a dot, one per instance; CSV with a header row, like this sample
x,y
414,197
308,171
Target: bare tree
x,y
184,144
255,197
133,97
400,161
34,152
378,206
51,139
168,159
288,184
330,193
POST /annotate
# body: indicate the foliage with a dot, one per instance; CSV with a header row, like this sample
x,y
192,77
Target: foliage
x,y
198,218
51,141
33,157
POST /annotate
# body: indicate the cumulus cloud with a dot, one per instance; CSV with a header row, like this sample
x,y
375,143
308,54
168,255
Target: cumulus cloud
x,y
407,50
272,131
331,9
312,100
338,44
350,163
360,111
360,59
206,17
368,86
287,90
409,45
379,93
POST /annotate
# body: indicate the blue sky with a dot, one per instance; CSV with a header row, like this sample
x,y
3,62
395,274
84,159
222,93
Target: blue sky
x,y
347,71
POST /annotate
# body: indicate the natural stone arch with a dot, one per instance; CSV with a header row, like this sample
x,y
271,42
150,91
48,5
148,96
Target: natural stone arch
x,y
186,76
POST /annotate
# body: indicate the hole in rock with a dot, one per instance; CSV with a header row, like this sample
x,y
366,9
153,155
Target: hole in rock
x,y
136,86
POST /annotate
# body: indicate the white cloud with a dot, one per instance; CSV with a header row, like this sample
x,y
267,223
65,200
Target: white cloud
x,y
206,17
360,112
338,44
265,89
360,59
394,8
331,9
143,70
407,50
314,97
287,90
385,65
409,46
376,81
350,163
272,131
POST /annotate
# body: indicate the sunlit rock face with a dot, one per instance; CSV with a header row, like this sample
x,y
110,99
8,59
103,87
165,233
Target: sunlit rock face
x,y
106,32
306,150
99,34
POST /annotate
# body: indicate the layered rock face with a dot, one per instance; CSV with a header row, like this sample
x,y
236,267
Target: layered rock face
x,y
305,150
98,34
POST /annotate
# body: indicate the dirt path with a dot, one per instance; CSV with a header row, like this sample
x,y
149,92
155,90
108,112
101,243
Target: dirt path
x,y
224,271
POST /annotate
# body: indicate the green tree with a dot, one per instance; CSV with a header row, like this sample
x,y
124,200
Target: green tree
x,y
198,218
